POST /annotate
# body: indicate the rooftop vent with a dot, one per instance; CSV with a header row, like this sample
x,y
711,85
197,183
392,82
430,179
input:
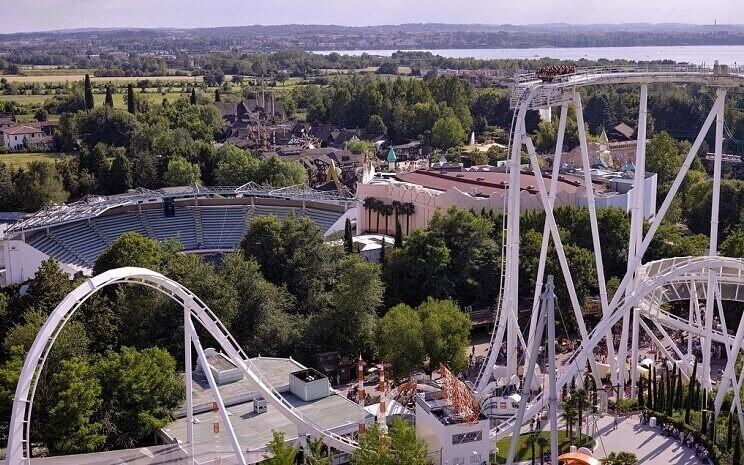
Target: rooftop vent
x,y
260,405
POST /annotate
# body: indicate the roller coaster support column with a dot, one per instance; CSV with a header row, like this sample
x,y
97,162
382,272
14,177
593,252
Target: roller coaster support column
x,y
691,154
636,226
188,382
512,246
508,316
548,299
710,302
215,392
546,228
593,219
690,320
550,221
531,361
729,373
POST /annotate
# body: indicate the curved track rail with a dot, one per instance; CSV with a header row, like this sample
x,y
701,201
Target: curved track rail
x,y
642,291
19,445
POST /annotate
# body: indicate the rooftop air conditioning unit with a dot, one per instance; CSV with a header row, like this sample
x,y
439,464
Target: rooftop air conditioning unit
x,y
260,405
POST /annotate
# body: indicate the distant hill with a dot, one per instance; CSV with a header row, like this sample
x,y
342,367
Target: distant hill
x,y
400,36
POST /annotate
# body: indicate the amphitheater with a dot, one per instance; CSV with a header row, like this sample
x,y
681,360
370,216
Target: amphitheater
x,y
204,220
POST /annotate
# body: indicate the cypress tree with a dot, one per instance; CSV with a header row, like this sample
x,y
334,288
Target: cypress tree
x,y
382,252
217,97
688,405
109,98
704,423
348,237
398,235
660,395
193,96
131,105
737,451
640,392
729,435
678,391
88,93
712,427
671,379
650,399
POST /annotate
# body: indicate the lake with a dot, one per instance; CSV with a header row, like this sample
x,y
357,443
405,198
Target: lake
x,y
697,54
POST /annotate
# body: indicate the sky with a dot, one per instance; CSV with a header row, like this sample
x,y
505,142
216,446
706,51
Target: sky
x,y
39,15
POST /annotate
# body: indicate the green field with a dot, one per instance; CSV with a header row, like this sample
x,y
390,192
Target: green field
x,y
524,450
20,160
152,96
77,75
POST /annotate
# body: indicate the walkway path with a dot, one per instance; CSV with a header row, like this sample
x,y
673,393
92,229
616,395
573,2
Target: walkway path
x,y
650,446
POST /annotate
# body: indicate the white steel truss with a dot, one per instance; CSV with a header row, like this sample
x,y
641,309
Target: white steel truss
x,y
636,305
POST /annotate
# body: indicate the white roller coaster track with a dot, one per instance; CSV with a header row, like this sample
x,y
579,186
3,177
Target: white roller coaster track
x,y
19,446
696,267
643,288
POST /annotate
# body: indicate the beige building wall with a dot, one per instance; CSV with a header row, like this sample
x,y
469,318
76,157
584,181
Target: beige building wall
x,y
427,201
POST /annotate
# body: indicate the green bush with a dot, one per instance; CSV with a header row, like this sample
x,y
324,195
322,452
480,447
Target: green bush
x,y
626,405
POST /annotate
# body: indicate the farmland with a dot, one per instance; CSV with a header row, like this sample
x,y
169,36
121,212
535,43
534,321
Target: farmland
x,y
19,160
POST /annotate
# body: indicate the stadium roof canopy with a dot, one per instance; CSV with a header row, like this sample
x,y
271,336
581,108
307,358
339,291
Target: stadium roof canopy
x,y
92,206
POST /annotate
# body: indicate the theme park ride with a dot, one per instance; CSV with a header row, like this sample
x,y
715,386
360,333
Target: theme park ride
x,y
637,305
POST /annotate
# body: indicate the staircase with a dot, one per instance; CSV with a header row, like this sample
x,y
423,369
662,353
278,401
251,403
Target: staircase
x,y
99,233
248,212
148,227
198,226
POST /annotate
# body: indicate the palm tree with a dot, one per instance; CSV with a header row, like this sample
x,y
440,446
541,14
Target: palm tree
x,y
620,458
396,209
410,209
569,416
387,211
379,206
542,443
369,205
581,406
532,441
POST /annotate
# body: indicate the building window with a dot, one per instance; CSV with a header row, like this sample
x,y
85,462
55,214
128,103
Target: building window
x,y
458,461
463,438
474,458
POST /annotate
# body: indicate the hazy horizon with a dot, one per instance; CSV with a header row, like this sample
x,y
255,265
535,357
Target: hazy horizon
x,y
49,15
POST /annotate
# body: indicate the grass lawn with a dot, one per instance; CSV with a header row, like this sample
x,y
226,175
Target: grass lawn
x,y
30,100
524,450
19,160
151,95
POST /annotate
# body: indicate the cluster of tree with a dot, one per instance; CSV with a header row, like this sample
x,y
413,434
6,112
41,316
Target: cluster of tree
x,y
94,393
436,109
399,446
437,332
146,145
286,293
575,403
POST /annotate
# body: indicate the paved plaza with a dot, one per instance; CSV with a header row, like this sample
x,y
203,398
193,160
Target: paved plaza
x,y
650,446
